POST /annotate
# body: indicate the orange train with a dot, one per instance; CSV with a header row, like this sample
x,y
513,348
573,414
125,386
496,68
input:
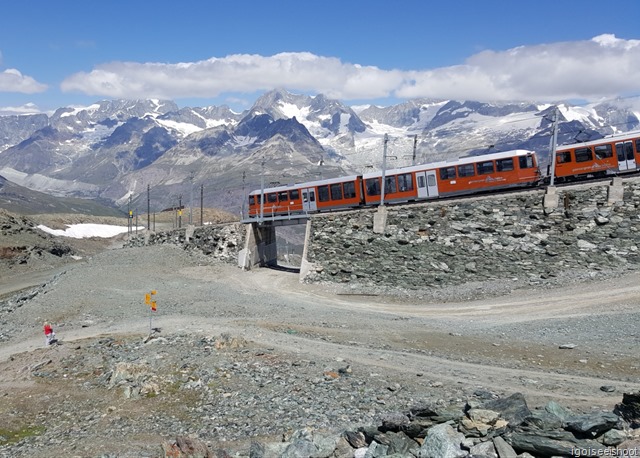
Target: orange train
x,y
469,175
510,169
606,156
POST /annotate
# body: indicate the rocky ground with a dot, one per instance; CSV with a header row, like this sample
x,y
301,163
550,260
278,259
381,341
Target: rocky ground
x,y
256,364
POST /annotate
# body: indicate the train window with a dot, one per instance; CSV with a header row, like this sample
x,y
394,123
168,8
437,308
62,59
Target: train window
x,y
431,180
373,186
390,185
448,173
485,168
526,162
584,155
638,146
603,151
421,183
563,157
272,197
323,193
504,165
336,191
405,182
283,196
349,189
294,194
312,196
625,151
466,170
252,200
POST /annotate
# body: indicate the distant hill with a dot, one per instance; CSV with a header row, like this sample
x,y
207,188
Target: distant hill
x,y
21,200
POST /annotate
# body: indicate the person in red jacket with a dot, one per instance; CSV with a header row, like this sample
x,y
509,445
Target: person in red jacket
x,y
50,336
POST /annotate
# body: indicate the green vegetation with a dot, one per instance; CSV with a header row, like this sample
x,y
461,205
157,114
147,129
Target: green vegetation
x,y
10,436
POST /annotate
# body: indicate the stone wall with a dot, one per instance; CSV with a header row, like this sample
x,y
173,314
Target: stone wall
x,y
222,241
479,239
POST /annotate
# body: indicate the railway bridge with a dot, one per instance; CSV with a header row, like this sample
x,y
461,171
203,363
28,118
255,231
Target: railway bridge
x,y
528,236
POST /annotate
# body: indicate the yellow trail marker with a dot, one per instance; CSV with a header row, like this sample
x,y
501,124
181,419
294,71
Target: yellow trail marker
x,y
153,307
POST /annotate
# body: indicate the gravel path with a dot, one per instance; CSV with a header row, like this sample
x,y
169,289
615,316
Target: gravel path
x,y
335,359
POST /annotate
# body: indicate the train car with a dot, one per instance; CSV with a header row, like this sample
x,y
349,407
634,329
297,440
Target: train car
x,y
517,168
310,197
606,156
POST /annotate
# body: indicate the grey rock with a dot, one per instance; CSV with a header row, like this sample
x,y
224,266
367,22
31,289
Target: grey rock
x,y
484,450
514,408
592,424
538,445
503,449
442,441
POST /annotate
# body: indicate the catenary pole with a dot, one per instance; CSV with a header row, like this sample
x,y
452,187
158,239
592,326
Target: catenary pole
x,y
262,191
554,142
191,176
148,207
384,168
415,144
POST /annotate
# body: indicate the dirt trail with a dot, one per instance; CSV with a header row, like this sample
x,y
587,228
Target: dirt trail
x,y
505,344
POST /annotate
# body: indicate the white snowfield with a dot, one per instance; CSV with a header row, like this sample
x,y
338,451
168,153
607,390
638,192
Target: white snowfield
x,y
80,231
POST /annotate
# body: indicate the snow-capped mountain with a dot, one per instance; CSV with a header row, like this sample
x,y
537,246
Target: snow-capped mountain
x,y
118,149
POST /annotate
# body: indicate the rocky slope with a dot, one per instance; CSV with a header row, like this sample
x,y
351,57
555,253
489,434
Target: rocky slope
x,y
256,364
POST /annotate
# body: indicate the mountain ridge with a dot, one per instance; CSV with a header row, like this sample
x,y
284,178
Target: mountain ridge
x,y
116,150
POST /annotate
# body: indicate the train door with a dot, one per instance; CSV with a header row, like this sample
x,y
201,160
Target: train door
x,y
427,184
626,159
309,200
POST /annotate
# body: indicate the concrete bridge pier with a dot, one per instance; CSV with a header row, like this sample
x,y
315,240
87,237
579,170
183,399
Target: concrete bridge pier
x,y
260,247
615,191
550,200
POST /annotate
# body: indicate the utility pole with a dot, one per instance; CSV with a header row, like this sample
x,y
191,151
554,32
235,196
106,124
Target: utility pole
x,y
129,216
262,190
384,169
148,207
201,204
191,176
415,144
552,147
244,198
180,211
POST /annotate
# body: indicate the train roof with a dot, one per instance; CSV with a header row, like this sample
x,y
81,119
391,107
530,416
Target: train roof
x,y
461,161
414,168
608,139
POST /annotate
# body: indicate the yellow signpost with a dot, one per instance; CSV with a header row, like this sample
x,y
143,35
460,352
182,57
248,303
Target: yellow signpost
x,y
152,305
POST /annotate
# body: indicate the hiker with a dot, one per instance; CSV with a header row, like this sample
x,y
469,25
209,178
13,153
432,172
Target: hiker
x,y
50,336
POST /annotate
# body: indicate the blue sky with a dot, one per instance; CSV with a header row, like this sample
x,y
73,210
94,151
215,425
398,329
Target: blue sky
x,y
56,53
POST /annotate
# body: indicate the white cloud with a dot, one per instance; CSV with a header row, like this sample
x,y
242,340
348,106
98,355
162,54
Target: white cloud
x,y
602,67
11,80
235,73
27,108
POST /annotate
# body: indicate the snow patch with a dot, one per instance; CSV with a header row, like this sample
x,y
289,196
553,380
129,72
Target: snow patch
x,y
81,231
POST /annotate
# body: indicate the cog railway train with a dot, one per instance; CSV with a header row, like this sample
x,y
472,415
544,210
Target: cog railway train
x,y
469,175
